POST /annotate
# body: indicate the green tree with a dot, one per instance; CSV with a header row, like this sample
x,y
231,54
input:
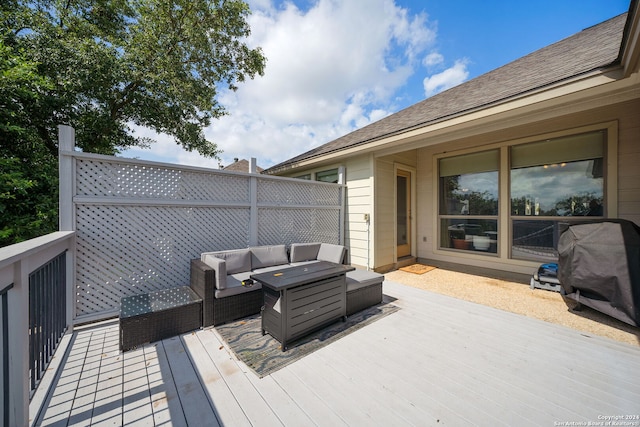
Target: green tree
x,y
102,66
28,173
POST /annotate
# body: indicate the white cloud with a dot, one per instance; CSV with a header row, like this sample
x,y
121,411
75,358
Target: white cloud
x,y
330,69
433,59
447,79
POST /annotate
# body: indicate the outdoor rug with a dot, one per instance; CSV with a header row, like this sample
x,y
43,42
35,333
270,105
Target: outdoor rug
x,y
417,268
264,355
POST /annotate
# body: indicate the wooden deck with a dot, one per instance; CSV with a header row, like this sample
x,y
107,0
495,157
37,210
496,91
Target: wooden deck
x,y
437,361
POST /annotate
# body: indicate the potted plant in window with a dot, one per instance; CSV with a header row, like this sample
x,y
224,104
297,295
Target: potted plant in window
x,y
458,237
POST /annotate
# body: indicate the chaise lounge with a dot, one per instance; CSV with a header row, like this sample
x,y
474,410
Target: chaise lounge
x,y
222,278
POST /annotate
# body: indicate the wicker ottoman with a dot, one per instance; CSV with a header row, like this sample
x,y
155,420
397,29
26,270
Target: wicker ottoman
x,y
158,315
364,289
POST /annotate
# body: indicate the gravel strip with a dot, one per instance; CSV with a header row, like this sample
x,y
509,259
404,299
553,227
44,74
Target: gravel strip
x,y
518,298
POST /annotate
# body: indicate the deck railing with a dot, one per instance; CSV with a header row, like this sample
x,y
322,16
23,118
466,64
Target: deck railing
x,y
47,315
4,356
35,310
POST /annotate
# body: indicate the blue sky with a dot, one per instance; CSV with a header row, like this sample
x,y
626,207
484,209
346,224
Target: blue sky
x,y
336,65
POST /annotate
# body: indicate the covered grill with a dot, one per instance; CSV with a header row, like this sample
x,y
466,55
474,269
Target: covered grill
x,y
599,266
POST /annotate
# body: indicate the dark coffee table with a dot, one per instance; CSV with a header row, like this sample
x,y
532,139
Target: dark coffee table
x,y
299,300
158,315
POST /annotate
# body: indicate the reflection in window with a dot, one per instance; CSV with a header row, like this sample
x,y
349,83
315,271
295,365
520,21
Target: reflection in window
x,y
554,178
563,189
469,201
535,240
479,235
328,176
470,194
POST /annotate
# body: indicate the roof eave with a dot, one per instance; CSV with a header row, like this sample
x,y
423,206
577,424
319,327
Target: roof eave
x,y
584,81
630,48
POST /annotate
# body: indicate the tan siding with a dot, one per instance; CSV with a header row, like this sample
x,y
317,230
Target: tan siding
x,y
629,163
384,227
426,204
359,173
385,205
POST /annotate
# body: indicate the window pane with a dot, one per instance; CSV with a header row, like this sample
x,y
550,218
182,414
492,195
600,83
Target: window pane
x,y
564,189
469,194
479,235
401,210
535,240
560,150
328,176
484,161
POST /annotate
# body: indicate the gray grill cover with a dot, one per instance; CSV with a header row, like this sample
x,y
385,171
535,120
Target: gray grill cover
x,y
599,266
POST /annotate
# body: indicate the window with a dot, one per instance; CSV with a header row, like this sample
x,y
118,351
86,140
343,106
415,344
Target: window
x,y
306,176
468,205
553,182
328,176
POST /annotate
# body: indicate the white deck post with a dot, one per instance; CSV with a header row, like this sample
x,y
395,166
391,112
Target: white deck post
x,y
253,214
18,301
66,212
342,179
253,220
66,143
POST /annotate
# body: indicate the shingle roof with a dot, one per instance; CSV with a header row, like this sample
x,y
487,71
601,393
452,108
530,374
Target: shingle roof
x,y
241,166
591,49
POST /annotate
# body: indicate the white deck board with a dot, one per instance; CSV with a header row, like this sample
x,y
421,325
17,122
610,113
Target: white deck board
x,y
221,396
165,402
316,409
237,382
437,361
424,365
522,363
281,401
83,403
109,389
136,399
195,404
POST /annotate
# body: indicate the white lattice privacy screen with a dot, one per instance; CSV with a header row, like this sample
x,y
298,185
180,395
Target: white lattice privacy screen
x,y
138,224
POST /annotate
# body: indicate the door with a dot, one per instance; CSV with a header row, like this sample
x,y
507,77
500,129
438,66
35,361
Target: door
x,y
403,213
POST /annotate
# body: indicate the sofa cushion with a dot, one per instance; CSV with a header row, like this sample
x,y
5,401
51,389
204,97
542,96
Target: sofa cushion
x,y
358,279
266,256
234,285
331,253
304,252
219,266
237,261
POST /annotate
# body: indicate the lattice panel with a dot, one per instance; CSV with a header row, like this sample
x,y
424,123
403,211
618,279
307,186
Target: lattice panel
x,y
126,250
286,226
143,181
298,193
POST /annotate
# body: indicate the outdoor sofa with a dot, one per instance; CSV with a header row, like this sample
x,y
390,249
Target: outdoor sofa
x,y
222,278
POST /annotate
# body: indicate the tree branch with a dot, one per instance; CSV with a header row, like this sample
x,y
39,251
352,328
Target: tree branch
x,y
48,142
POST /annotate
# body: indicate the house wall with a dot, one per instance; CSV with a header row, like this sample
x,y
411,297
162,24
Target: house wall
x,y
358,232
370,180
385,206
625,202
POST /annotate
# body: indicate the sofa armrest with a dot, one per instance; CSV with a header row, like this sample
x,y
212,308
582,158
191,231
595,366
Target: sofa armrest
x,y
219,265
203,283
332,253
